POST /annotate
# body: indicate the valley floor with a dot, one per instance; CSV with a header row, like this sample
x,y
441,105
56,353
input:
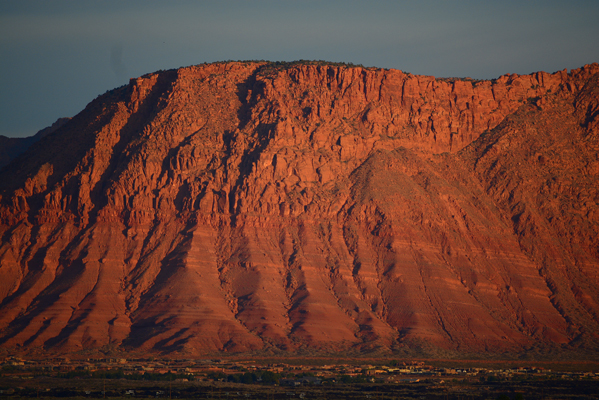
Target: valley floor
x,y
314,379
429,389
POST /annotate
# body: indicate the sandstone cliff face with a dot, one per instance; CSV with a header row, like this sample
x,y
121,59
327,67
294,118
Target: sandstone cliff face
x,y
309,208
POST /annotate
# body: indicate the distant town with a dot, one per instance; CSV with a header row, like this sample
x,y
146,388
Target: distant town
x,y
188,378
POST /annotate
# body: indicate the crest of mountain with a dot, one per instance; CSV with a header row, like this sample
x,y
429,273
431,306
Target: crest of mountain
x,y
310,208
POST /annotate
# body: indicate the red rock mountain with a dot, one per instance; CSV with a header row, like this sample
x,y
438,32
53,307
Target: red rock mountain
x,y
310,208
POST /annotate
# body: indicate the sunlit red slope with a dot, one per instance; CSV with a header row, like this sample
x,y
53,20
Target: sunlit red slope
x,y
309,208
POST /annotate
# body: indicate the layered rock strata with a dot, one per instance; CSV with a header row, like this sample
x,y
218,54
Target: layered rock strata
x,y
311,209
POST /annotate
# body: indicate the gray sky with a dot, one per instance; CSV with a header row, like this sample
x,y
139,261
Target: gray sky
x,y
56,56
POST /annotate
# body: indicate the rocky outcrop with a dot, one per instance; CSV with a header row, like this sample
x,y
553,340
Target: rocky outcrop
x,y
309,208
